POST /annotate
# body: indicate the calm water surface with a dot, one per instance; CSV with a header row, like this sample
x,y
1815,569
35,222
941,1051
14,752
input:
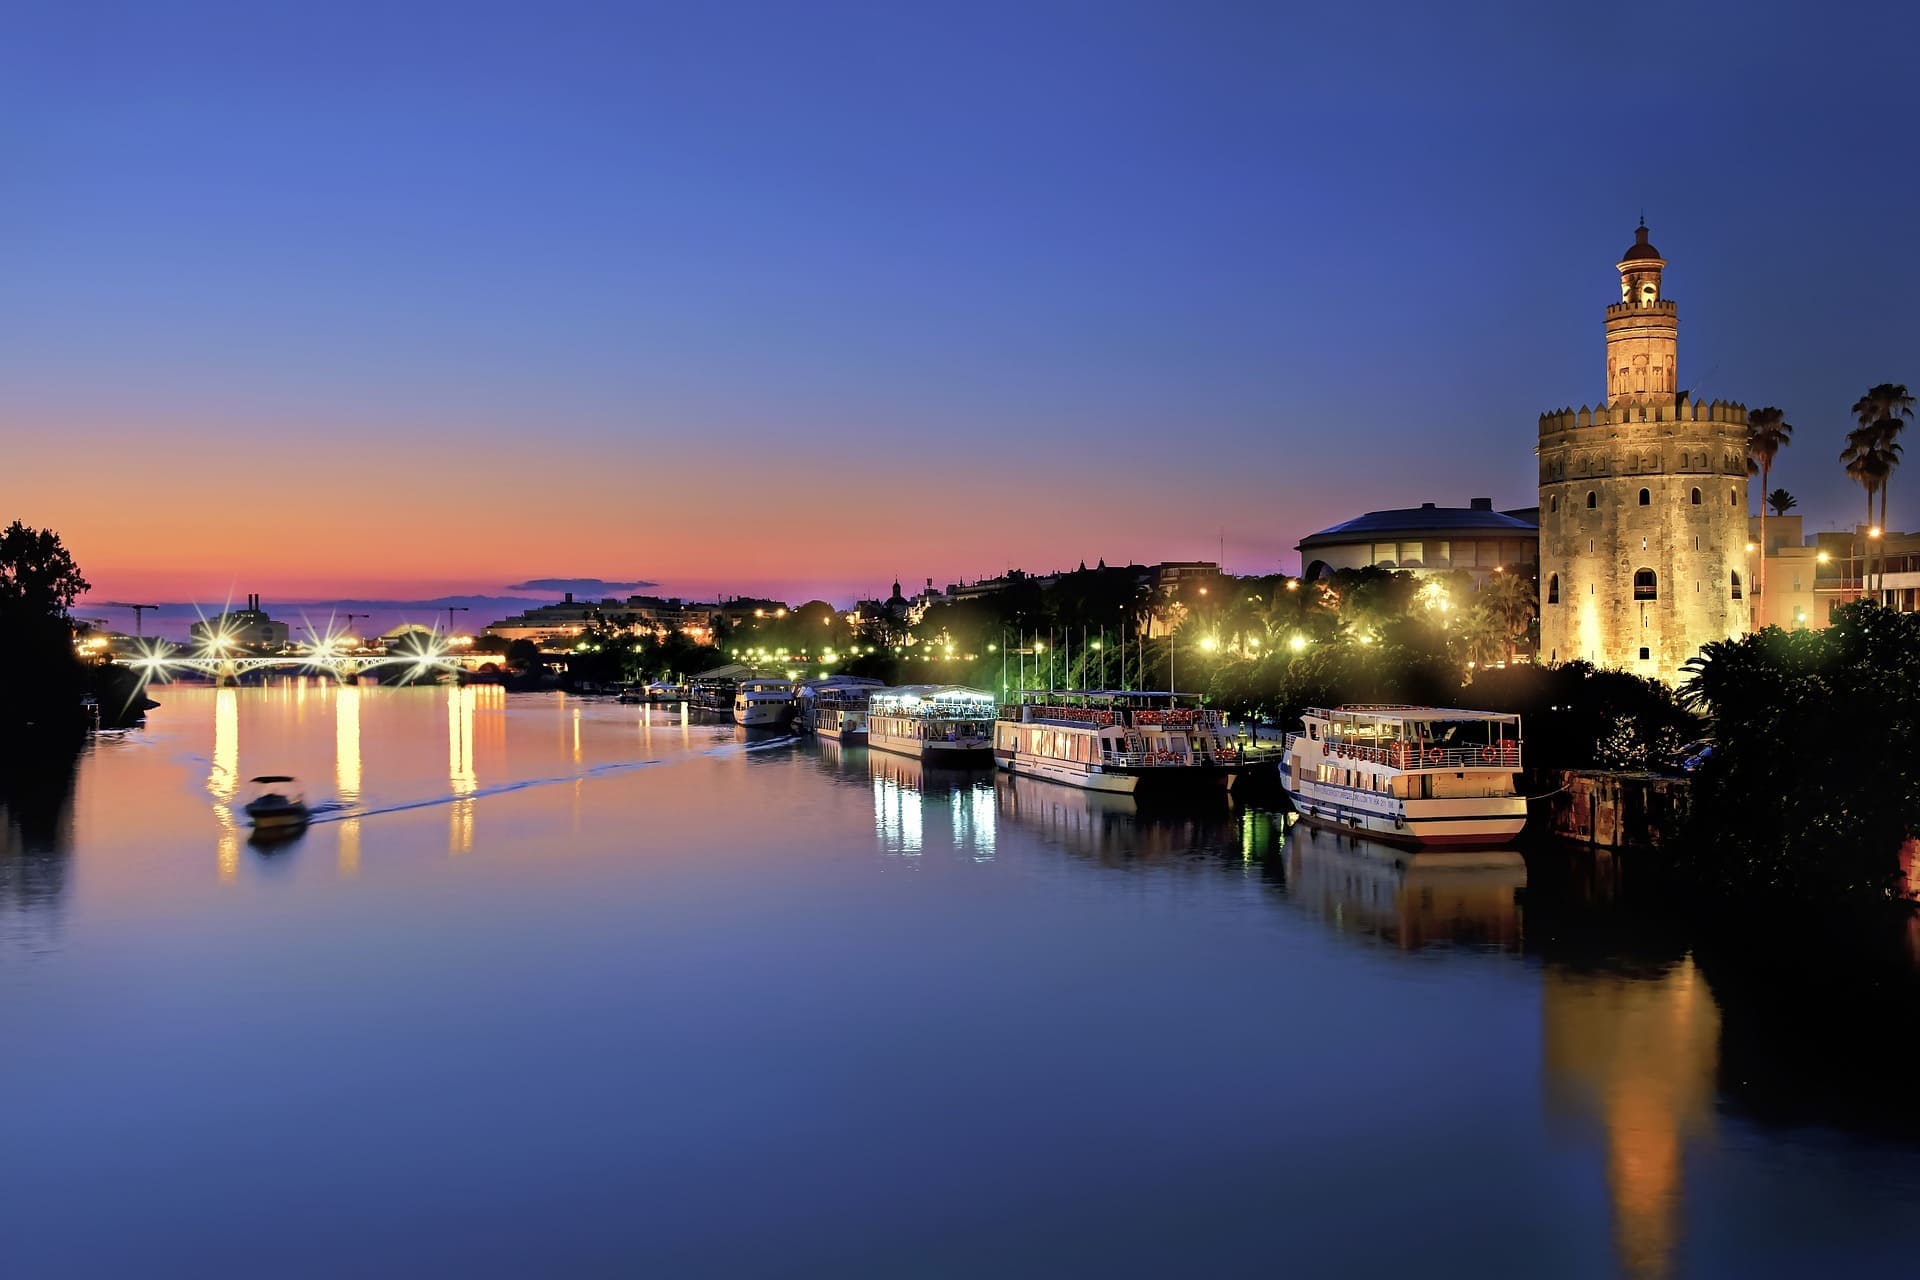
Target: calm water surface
x,y
564,987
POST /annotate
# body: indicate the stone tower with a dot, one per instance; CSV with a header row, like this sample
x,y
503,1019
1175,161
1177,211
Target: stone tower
x,y
1643,501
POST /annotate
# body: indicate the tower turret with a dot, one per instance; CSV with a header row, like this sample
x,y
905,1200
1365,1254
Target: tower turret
x,y
1643,328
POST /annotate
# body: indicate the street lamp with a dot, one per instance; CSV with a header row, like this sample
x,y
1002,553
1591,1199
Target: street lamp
x,y
1297,643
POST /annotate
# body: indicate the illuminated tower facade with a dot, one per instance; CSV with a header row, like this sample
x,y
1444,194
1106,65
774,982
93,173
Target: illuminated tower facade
x,y
1643,500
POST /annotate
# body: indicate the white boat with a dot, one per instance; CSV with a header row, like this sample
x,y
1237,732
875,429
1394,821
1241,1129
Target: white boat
x,y
1128,742
1408,774
276,804
836,708
762,703
940,723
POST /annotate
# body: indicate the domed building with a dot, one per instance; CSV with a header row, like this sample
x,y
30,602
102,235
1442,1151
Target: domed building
x,y
1643,500
1427,539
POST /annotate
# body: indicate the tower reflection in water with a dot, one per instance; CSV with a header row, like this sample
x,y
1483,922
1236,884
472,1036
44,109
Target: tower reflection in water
x,y
346,773
906,793
1636,1057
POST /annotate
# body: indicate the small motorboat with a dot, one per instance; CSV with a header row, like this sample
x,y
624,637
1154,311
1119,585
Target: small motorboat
x,y
277,804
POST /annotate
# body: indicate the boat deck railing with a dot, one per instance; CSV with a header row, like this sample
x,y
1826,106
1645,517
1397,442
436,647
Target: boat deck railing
x,y
1504,754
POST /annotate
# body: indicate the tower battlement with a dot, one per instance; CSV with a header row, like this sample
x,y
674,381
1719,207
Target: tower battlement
x,y
1682,408
1664,307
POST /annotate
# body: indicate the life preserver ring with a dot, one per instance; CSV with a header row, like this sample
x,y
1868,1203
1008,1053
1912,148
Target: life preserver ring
x,y
1486,753
1433,755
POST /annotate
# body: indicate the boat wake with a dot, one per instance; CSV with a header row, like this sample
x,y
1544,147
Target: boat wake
x,y
341,811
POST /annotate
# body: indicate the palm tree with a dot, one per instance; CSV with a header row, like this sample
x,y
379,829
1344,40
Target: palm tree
x,y
1510,598
1782,502
1768,432
1882,413
1483,634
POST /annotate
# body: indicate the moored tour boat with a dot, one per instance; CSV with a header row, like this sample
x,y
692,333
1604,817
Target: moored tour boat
x,y
763,703
940,723
1129,742
1408,774
835,708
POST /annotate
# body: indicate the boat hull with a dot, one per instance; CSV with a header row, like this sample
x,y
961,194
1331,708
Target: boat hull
x,y
1122,780
1482,822
957,755
762,715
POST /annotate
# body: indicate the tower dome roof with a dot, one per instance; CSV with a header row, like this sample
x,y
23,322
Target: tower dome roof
x,y
1641,249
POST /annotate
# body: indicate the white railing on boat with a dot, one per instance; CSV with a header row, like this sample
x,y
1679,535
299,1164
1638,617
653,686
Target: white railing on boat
x,y
1504,754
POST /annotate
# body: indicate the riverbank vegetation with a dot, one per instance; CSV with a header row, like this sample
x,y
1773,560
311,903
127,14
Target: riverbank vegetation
x,y
1813,787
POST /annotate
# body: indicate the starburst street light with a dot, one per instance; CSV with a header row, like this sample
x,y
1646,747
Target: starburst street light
x,y
1297,643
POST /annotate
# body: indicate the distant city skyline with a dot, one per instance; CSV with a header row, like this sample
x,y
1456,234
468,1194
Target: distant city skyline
x,y
368,302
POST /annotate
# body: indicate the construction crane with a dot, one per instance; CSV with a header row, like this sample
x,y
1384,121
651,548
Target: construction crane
x,y
451,610
350,631
139,612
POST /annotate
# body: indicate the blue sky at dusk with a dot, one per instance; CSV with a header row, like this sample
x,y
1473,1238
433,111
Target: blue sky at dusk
x,y
366,300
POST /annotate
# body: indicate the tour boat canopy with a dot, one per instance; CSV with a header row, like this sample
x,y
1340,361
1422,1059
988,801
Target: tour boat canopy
x,y
935,700
1109,695
1409,723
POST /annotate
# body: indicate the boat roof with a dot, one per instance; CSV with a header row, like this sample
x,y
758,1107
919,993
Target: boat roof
x,y
1158,694
934,692
1397,711
276,777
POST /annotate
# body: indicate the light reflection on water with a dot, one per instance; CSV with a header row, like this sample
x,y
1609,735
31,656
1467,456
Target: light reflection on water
x,y
674,1010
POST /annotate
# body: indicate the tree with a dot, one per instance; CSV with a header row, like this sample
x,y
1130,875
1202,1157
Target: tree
x,y
40,678
1511,597
1768,432
1814,782
1882,414
1870,462
1483,635
38,579
1782,502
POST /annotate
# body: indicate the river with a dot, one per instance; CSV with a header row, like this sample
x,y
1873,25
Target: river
x,y
556,986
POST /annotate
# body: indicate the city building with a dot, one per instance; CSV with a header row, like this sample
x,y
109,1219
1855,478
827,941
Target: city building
x,y
561,622
248,628
1787,595
1848,568
1427,539
1643,501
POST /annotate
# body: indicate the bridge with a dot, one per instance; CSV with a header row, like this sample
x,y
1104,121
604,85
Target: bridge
x,y
161,665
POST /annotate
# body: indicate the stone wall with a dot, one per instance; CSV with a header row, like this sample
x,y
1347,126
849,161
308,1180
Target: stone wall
x,y
1599,538
1618,810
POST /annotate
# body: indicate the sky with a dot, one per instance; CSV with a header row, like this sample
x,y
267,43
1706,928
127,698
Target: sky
x,y
402,301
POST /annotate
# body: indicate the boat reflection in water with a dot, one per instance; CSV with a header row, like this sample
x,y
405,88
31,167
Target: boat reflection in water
x,y
1411,898
1112,828
914,803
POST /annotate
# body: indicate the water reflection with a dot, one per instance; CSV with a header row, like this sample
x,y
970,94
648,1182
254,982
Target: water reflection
x,y
906,792
1411,899
346,773
460,772
1636,1057
36,832
1112,828
223,779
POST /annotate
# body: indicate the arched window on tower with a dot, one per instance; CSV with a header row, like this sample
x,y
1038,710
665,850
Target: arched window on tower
x,y
1646,586
1553,503
1593,499
1733,497
1696,497
1646,497
1553,588
1736,584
